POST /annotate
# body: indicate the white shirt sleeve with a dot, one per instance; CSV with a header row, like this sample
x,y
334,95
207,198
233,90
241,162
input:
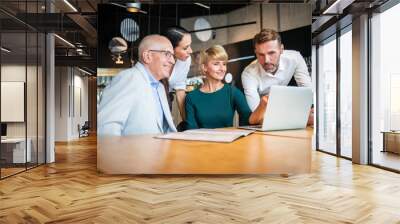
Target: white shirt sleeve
x,y
301,74
114,107
179,74
250,85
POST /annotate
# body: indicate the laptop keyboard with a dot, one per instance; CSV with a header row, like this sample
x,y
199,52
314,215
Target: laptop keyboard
x,y
252,126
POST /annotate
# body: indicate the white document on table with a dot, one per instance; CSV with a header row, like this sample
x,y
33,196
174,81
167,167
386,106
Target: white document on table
x,y
209,135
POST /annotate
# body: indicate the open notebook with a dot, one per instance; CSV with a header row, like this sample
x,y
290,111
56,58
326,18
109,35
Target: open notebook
x,y
208,135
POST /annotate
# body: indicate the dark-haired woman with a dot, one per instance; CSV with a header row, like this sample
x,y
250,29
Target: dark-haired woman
x,y
181,41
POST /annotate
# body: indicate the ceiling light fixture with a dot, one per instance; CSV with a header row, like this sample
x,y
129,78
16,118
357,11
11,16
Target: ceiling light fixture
x,y
70,5
337,7
5,50
202,5
79,51
241,58
84,71
133,7
79,44
65,41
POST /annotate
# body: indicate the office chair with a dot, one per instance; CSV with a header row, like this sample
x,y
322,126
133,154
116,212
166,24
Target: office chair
x,y
84,130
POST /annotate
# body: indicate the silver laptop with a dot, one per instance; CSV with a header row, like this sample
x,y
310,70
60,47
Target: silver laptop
x,y
288,108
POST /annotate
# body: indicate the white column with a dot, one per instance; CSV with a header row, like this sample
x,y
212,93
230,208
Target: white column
x,y
50,92
63,101
50,101
314,88
360,90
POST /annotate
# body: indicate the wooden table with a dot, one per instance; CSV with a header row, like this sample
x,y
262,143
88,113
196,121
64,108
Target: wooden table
x,y
279,152
13,150
391,141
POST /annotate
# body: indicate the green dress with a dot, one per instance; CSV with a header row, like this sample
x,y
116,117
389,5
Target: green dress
x,y
216,110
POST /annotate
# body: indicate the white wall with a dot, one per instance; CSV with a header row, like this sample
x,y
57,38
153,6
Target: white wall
x,y
80,110
62,83
33,127
15,72
71,93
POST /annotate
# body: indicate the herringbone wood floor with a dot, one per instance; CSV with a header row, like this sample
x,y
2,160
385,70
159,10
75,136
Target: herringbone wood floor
x,y
71,191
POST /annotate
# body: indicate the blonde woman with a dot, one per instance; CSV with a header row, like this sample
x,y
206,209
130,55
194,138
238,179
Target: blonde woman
x,y
213,105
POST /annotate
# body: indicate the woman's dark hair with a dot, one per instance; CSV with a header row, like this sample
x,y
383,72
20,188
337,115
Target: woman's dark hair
x,y
175,35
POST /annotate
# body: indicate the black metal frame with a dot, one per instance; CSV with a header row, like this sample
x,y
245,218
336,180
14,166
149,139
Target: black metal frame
x,y
0,92
223,27
369,77
338,98
26,89
316,110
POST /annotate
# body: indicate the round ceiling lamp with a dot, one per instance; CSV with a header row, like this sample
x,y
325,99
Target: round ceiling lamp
x,y
130,30
117,46
133,7
228,78
200,24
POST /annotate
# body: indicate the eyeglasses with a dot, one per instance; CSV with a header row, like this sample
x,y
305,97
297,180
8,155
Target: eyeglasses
x,y
167,54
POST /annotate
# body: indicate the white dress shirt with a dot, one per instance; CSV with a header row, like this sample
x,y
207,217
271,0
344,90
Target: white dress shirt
x,y
257,82
177,80
155,85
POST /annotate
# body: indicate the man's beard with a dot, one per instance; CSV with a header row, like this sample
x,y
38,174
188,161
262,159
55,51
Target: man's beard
x,y
270,69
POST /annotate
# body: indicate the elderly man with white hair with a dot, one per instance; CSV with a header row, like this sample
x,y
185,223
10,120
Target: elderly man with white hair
x,y
135,101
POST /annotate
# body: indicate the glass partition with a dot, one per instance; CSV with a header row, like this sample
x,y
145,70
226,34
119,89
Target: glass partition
x,y
327,96
31,99
41,91
22,89
346,92
14,152
385,85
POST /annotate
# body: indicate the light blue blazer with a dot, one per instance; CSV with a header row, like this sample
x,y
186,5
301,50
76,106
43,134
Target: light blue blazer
x,y
127,106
